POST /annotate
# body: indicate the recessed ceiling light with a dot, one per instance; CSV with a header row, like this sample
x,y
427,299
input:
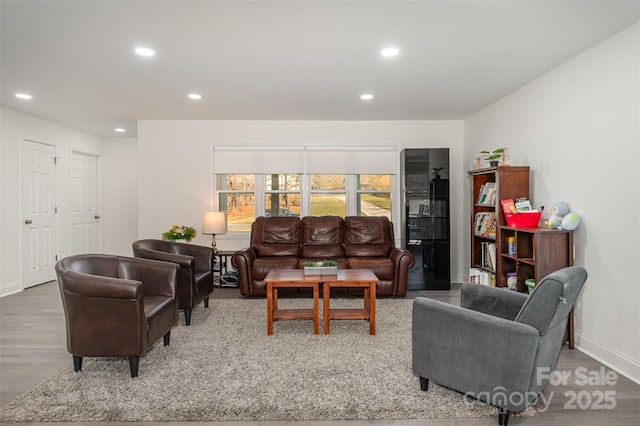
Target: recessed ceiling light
x,y
23,96
366,97
389,52
144,51
120,130
194,96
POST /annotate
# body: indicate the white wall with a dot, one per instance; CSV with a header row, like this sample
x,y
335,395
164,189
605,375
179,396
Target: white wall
x,y
119,212
175,164
577,127
14,127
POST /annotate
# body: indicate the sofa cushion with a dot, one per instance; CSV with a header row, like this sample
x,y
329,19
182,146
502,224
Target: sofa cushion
x,y
367,236
276,236
322,236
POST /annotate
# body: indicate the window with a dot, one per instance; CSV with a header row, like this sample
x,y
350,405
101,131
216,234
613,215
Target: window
x,y
373,195
245,196
328,195
282,195
236,197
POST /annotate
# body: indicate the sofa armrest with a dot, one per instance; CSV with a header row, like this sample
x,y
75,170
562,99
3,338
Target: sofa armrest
x,y
158,278
472,351
242,260
499,302
402,260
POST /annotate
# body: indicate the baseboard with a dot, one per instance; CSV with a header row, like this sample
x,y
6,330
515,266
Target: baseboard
x,y
613,359
11,288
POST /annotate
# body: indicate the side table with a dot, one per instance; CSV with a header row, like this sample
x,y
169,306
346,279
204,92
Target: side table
x,y
222,264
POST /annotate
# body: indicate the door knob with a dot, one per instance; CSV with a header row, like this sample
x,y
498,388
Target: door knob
x,y
28,222
96,216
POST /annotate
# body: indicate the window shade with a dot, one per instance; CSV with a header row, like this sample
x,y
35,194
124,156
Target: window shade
x,y
309,160
258,160
353,161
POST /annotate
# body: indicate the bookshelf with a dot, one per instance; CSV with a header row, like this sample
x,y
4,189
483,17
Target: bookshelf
x,y
488,186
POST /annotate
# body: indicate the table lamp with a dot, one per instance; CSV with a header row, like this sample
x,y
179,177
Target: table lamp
x,y
214,223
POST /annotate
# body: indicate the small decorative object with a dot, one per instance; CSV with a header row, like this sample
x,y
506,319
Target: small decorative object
x,y
321,267
177,232
558,211
570,222
493,156
436,172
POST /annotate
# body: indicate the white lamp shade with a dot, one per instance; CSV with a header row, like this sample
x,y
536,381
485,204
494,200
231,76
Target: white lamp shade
x,y
214,223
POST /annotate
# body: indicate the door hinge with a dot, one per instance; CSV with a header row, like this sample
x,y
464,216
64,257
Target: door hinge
x,y
55,209
56,257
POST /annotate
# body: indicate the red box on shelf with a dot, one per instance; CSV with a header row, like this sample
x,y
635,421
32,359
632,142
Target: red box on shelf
x,y
523,219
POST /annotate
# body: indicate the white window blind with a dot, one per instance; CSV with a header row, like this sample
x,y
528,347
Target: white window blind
x,y
258,160
309,160
352,161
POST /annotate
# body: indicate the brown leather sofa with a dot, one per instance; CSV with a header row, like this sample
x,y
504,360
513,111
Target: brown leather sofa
x,y
116,306
195,277
353,242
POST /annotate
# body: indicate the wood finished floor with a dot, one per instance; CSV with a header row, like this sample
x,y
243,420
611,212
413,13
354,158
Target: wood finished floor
x,y
33,347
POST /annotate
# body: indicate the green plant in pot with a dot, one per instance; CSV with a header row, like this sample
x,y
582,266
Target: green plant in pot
x,y
319,263
492,156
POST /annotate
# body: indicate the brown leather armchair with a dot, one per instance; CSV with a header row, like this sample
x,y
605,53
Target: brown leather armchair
x,y
116,306
195,276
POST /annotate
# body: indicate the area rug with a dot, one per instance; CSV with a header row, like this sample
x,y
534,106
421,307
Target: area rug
x,y
224,367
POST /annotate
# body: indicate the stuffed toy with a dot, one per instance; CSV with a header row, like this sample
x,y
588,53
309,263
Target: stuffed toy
x,y
558,212
570,222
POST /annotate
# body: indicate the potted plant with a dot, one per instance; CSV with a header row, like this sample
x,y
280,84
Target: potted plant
x,y
321,267
186,233
493,156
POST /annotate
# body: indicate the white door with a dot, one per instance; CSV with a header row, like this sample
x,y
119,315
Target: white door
x,y
84,203
38,213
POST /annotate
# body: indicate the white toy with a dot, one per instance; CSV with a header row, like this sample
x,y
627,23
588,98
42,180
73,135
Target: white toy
x,y
570,221
558,212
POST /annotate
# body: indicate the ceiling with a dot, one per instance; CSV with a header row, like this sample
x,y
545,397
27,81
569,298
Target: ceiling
x,y
284,60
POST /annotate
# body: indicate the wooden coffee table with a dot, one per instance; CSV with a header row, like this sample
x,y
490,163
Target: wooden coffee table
x,y
363,278
291,278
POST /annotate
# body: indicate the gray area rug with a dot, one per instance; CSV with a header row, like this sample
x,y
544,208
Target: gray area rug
x,y
224,367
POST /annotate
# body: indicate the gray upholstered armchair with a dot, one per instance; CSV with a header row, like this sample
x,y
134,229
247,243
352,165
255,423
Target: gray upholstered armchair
x,y
195,276
498,344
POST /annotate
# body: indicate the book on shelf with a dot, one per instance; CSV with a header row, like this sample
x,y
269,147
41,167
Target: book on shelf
x,y
488,256
480,276
474,275
486,195
508,206
485,224
523,205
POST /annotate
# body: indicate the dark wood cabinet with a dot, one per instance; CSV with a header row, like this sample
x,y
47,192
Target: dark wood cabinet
x,y
508,182
538,252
